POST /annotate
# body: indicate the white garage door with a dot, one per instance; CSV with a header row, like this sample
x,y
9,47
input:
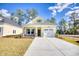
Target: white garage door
x,y
48,33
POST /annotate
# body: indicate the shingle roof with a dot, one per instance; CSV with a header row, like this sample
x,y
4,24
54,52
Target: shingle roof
x,y
9,21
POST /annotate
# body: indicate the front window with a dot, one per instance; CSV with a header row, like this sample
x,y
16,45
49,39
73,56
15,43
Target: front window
x,y
0,29
14,31
1,20
30,31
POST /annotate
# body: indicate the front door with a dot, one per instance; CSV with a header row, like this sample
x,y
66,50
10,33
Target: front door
x,y
39,32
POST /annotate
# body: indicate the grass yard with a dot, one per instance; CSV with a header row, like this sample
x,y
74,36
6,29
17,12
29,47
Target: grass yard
x,y
68,39
14,46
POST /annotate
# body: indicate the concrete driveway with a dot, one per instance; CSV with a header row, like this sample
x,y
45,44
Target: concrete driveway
x,y
52,47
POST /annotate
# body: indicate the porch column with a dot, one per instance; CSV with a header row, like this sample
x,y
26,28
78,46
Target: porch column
x,y
36,32
24,29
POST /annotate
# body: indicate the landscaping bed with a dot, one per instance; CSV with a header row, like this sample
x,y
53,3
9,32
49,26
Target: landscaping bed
x,y
69,39
18,36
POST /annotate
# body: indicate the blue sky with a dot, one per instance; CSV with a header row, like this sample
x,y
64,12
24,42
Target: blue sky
x,y
45,10
41,8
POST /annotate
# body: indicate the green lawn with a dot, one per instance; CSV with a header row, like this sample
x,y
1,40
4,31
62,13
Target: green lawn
x,y
14,46
68,39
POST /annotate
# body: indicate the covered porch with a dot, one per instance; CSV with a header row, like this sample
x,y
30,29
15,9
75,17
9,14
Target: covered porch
x,y
33,31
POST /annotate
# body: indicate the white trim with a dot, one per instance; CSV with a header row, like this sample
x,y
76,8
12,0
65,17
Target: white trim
x,y
30,31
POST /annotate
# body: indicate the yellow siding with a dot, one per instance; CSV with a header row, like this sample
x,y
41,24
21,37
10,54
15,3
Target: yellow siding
x,y
8,30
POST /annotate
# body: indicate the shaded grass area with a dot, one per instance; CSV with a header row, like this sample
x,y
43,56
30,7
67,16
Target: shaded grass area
x,y
14,46
68,39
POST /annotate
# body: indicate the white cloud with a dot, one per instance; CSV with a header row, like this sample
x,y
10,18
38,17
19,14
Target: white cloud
x,y
63,6
72,11
74,8
69,13
77,11
54,13
5,13
58,8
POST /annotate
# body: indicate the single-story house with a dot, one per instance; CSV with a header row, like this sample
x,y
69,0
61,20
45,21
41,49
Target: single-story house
x,y
39,27
9,27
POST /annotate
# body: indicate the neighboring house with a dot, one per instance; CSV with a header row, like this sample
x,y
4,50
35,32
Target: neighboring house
x,y
39,27
9,27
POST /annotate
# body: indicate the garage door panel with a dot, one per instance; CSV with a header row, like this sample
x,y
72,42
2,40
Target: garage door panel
x,y
48,33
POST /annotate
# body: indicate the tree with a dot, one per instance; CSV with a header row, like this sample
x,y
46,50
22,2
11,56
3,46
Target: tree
x,y
12,16
1,15
24,16
21,15
53,20
73,19
31,14
62,26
